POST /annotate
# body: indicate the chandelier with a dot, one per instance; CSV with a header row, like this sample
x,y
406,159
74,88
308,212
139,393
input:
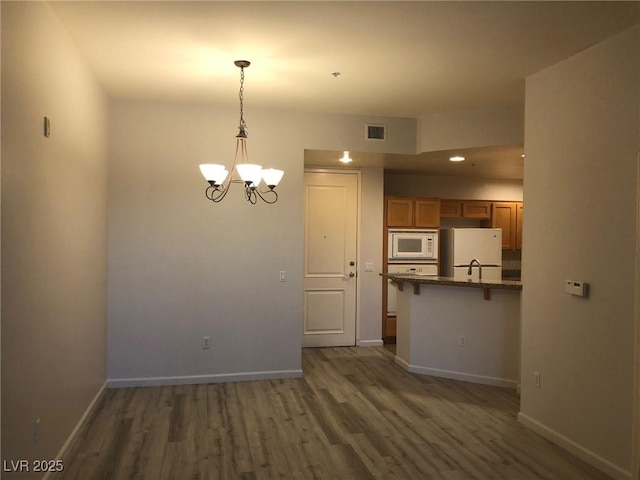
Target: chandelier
x,y
251,175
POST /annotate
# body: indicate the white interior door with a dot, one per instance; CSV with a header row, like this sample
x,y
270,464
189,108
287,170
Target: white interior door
x,y
330,249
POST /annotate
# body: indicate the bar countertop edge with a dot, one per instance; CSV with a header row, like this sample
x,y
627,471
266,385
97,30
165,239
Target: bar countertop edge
x,y
452,282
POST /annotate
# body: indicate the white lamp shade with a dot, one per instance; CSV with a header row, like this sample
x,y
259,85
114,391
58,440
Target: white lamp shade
x,y
220,176
250,172
214,172
272,176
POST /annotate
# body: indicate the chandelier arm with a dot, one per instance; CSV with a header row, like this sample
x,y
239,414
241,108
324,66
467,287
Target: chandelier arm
x,y
264,197
216,194
223,189
250,194
240,147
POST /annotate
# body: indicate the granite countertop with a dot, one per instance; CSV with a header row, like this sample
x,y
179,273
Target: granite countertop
x,y
452,282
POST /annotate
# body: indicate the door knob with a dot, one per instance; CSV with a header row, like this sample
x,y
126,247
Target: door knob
x,y
351,274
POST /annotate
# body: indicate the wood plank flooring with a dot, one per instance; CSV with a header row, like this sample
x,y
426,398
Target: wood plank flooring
x,y
354,415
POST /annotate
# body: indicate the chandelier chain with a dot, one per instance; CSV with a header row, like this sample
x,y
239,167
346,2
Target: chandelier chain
x,y
243,124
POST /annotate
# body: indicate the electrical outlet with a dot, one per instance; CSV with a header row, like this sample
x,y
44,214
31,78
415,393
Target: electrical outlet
x,y
463,342
536,379
206,343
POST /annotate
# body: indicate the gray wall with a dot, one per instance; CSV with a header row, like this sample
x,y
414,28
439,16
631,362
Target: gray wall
x,y
580,189
54,232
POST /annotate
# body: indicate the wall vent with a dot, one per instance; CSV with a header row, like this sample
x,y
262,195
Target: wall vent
x,y
375,131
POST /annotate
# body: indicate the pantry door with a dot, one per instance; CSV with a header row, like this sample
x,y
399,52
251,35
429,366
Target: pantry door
x,y
330,255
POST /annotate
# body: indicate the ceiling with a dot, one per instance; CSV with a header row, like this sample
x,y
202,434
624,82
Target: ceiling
x,y
502,161
399,59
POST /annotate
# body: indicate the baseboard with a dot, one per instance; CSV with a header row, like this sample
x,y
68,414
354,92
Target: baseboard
x,y
402,363
72,436
370,343
578,450
465,377
196,379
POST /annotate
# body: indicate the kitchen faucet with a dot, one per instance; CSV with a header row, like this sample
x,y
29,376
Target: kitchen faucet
x,y
477,262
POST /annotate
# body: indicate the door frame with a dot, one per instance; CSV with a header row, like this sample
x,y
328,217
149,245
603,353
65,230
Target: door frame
x,y
635,458
358,174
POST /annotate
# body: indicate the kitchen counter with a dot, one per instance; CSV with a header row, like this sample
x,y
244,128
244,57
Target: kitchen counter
x,y
487,285
447,331
453,282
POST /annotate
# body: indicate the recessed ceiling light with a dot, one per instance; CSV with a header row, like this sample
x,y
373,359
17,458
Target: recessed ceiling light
x,y
345,157
456,159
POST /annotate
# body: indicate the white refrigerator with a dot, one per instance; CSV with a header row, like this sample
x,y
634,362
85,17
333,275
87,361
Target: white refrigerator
x,y
461,245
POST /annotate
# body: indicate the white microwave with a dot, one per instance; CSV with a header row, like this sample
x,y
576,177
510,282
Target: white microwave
x,y
412,246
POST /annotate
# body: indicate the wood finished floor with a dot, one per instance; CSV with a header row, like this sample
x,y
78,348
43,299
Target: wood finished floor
x,y
354,415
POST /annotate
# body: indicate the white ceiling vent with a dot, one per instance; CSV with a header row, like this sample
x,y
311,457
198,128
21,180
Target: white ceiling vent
x,y
375,131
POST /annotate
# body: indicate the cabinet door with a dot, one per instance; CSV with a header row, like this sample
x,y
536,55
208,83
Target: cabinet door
x,y
390,327
476,209
519,213
450,208
427,213
399,212
504,217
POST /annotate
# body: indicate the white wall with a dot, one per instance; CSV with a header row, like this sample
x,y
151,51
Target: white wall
x,y
370,283
580,184
431,324
471,128
181,268
54,232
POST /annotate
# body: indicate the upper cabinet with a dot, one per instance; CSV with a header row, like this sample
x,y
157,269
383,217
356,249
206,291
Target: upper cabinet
x,y
508,217
412,212
427,213
477,209
408,212
519,214
451,208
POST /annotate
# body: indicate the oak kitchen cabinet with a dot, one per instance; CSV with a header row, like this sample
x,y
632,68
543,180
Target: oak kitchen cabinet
x,y
477,209
402,212
508,217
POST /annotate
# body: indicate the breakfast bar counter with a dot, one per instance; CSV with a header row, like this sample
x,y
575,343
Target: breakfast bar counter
x,y
461,329
416,280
